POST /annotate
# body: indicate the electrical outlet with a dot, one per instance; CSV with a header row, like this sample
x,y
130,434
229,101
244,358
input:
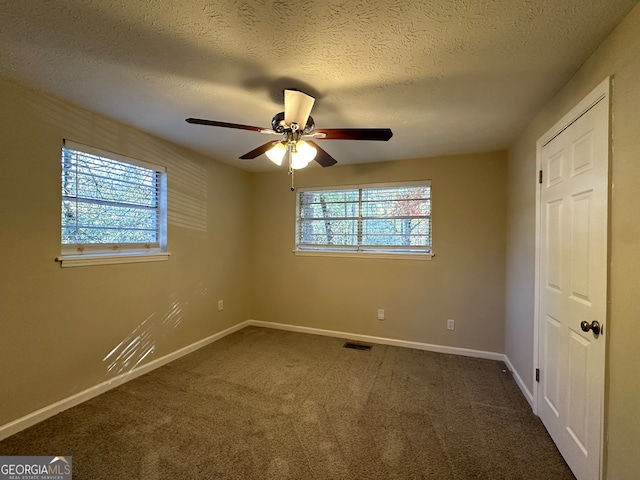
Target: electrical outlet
x,y
380,314
220,305
451,324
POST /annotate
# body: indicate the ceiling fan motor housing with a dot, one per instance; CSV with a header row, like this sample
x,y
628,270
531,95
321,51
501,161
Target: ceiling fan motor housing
x,y
278,124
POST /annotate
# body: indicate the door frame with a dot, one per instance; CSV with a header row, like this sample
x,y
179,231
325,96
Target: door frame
x,y
601,93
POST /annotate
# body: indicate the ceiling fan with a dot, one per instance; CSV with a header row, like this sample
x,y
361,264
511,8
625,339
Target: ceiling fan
x,y
297,130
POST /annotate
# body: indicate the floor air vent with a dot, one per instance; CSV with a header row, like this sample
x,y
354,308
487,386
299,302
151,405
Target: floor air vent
x,y
357,346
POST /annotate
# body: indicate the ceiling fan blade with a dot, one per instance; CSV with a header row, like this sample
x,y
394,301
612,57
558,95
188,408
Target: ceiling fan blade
x,y
322,157
382,134
297,107
214,123
256,152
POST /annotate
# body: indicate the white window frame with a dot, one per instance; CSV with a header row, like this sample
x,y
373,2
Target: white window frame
x,y
358,251
73,255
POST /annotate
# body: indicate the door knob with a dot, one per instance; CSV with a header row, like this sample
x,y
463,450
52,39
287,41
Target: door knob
x,y
586,326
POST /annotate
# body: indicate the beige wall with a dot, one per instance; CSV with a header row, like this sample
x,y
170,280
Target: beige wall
x,y
619,56
464,281
57,325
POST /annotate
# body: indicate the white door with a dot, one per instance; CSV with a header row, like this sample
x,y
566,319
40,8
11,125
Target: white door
x,y
573,286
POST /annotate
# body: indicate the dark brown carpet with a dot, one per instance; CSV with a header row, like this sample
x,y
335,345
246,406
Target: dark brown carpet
x,y
268,404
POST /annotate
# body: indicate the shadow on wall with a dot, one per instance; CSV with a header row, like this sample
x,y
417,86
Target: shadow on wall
x,y
187,203
187,181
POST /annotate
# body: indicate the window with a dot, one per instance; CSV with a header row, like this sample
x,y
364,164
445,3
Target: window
x,y
389,219
113,208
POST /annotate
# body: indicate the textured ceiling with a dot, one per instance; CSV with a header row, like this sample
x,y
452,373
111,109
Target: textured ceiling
x,y
447,76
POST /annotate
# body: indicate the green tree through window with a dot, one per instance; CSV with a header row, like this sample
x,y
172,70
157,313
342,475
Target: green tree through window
x,y
368,218
109,202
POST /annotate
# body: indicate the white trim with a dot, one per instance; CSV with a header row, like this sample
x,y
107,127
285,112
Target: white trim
x,y
42,414
69,251
362,254
360,251
599,93
516,376
328,188
380,340
602,92
109,258
536,279
404,343
410,183
16,426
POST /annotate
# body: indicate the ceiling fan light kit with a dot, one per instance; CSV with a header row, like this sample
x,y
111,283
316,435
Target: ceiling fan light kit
x,y
277,153
302,154
298,142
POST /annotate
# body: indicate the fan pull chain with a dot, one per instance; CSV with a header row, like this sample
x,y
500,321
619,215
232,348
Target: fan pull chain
x,y
293,188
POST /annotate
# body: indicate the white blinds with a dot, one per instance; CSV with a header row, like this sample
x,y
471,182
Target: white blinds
x,y
109,202
385,218
328,218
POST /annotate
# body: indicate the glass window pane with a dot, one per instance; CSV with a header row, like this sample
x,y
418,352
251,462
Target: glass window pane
x,y
105,201
395,217
329,232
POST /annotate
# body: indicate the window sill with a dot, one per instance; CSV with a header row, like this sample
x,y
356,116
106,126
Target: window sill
x,y
88,259
353,254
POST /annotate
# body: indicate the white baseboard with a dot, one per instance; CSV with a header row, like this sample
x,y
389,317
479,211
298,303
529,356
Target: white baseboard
x,y
380,340
523,387
404,343
66,403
